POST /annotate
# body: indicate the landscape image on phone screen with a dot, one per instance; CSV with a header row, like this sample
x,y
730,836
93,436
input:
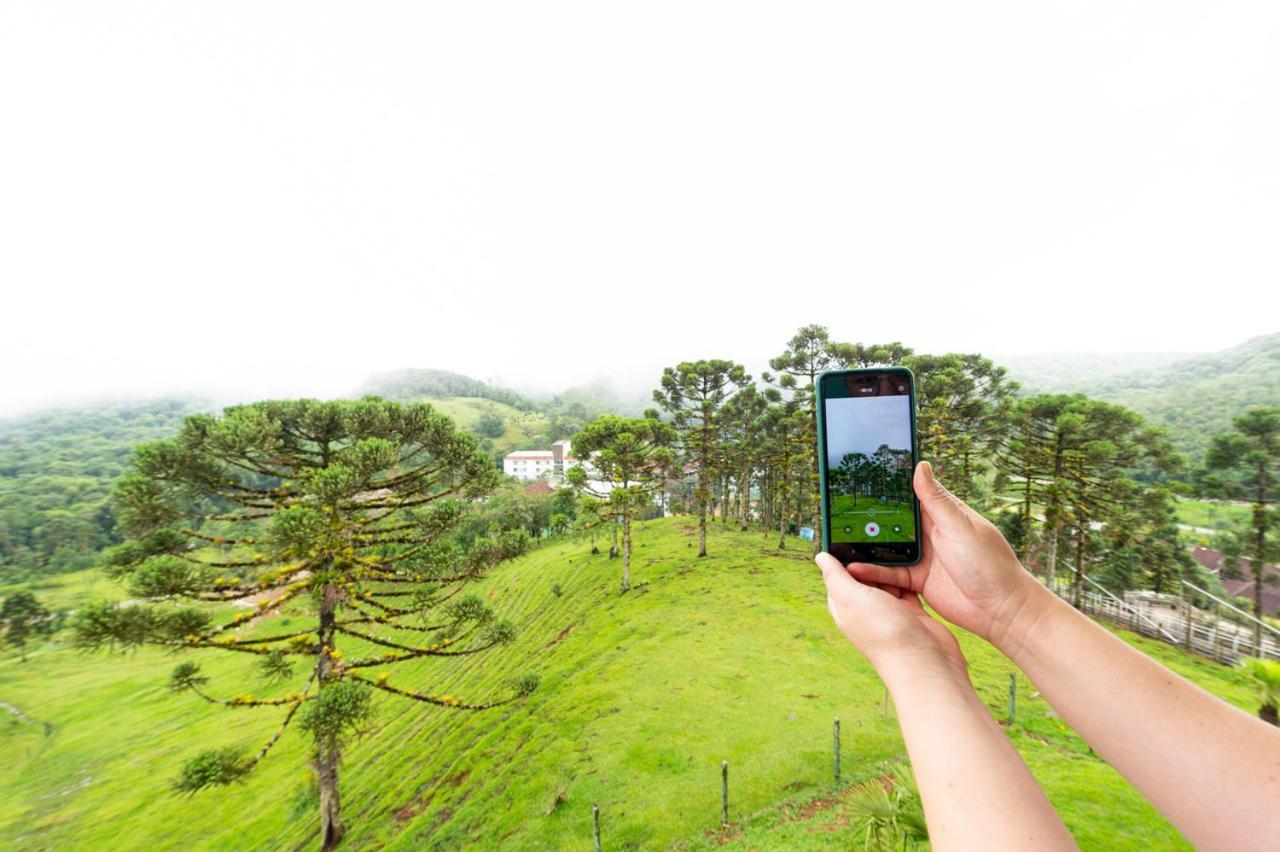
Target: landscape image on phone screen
x,y
869,467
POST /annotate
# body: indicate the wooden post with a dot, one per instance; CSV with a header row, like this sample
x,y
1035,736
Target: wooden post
x,y
595,824
724,792
1013,697
836,750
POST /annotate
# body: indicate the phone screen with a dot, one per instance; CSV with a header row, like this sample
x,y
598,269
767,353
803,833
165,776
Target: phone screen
x,y
869,457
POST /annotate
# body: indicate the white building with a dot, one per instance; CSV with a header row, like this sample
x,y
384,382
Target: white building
x,y
534,464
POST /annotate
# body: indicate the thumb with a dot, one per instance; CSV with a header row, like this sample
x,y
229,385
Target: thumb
x,y
942,507
839,583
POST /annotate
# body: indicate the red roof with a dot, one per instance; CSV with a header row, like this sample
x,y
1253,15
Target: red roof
x,y
538,488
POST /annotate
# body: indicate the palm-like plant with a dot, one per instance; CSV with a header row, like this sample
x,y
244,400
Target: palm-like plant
x,y
888,812
1266,678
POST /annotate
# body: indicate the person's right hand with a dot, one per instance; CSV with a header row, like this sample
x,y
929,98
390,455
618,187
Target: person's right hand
x,y
967,571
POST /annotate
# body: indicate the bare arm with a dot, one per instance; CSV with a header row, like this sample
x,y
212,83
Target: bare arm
x,y
977,792
1212,769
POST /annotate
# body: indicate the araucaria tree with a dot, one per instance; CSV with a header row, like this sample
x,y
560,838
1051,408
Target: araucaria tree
x,y
1252,451
625,460
694,394
349,506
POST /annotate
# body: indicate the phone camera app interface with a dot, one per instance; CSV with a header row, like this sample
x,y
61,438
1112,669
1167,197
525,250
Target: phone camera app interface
x,y
869,463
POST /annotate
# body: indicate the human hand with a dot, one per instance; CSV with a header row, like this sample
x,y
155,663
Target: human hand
x,y
887,623
967,571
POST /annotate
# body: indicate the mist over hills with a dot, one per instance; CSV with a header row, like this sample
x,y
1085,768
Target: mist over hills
x,y
1193,396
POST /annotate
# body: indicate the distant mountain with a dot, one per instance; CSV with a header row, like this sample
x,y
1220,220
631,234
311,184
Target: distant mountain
x,y
1066,372
416,383
1193,396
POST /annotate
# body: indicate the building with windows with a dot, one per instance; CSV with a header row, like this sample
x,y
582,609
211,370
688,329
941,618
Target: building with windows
x,y
537,464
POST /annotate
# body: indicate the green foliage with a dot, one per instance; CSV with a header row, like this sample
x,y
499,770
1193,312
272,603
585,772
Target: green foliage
x,y
275,665
106,625
186,676
888,813
56,472
211,768
1266,679
415,384
1193,397
491,425
167,576
22,617
342,710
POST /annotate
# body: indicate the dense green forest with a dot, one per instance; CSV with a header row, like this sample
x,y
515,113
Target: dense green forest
x,y
56,470
1191,396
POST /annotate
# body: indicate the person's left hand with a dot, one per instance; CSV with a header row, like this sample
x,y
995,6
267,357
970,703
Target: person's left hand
x,y
887,623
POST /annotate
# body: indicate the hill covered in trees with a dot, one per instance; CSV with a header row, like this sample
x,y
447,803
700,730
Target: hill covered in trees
x,y
1193,396
56,470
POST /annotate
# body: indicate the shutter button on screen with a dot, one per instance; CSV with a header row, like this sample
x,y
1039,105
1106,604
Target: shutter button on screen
x,y
873,529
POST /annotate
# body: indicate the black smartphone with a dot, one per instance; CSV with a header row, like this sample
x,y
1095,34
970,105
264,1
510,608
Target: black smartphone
x,y
867,453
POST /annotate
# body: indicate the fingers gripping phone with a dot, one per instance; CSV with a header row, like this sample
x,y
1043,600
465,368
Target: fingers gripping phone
x,y
867,453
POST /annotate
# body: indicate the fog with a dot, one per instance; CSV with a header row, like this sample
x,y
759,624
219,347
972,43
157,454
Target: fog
x,y
246,200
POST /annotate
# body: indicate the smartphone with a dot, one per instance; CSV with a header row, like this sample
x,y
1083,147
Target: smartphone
x,y
867,453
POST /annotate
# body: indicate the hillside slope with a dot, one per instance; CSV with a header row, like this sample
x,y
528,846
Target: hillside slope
x,y
732,657
1193,397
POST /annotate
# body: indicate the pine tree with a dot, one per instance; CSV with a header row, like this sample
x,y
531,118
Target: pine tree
x,y
694,394
624,461
350,504
1252,452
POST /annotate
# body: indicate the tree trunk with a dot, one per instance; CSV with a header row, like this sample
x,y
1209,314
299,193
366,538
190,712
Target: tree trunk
x,y
1269,713
1026,517
326,765
702,518
1053,553
613,545
626,552
782,516
1079,578
1259,557
744,496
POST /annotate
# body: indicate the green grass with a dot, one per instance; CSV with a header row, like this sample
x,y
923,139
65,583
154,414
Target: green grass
x,y
525,430
732,657
846,515
1212,514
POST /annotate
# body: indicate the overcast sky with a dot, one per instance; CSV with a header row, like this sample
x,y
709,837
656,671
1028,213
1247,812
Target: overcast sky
x,y
257,197
863,425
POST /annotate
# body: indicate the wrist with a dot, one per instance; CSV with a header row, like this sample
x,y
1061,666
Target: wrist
x,y
1015,628
904,671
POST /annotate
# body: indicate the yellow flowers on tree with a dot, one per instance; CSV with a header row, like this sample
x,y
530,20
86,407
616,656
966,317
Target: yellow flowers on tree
x,y
354,504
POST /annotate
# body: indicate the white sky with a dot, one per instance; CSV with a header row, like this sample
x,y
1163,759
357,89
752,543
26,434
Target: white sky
x,y
256,197
857,425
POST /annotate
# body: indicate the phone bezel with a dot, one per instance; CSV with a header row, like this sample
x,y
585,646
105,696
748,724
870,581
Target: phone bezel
x,y
897,554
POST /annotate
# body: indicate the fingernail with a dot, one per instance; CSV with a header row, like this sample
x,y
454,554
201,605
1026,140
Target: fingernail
x,y
928,470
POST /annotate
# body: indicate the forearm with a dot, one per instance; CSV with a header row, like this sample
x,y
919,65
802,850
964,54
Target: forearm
x,y
977,792
1197,758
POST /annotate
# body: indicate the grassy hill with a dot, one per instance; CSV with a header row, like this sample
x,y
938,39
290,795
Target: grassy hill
x,y
732,657
1193,396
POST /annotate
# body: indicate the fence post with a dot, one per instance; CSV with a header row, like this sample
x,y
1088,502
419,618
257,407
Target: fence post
x,y
724,792
836,749
1013,697
595,824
